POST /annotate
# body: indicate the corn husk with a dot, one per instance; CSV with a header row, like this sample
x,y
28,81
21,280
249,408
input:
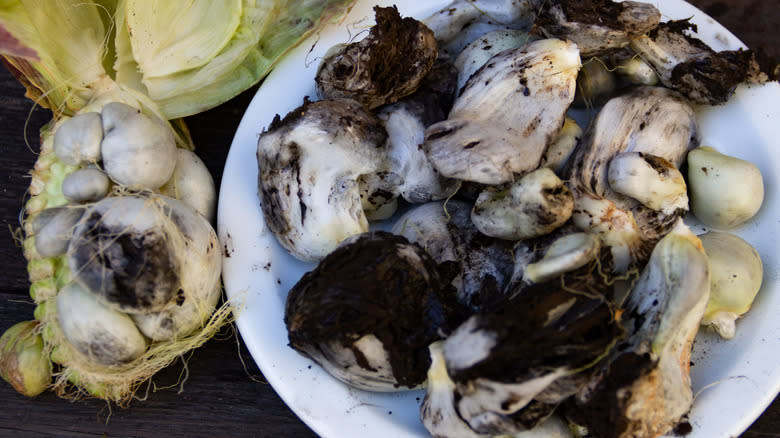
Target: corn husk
x,y
75,57
213,51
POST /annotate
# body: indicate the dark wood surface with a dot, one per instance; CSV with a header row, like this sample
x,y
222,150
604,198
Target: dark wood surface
x,y
224,394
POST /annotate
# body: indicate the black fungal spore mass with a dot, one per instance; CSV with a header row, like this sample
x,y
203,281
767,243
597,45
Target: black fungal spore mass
x,y
376,284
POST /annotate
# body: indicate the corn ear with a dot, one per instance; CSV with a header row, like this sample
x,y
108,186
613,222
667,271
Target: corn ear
x,y
78,57
73,376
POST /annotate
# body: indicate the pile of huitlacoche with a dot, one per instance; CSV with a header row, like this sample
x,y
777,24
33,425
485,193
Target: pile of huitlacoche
x,y
531,269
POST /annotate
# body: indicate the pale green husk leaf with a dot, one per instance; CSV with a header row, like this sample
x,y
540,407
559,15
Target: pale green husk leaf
x,y
185,56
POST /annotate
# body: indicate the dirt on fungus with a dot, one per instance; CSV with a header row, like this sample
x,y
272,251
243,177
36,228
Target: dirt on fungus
x,y
383,67
371,287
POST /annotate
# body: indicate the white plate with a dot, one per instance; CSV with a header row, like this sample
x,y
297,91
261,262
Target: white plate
x,y
736,379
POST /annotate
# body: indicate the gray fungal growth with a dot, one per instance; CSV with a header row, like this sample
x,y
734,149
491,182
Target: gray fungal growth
x,y
135,271
383,67
507,114
77,139
103,335
510,367
534,205
688,65
644,387
481,266
654,121
595,26
138,151
406,121
88,184
151,257
54,229
461,22
310,164
553,274
368,312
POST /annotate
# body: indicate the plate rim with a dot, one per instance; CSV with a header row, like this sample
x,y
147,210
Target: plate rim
x,y
227,213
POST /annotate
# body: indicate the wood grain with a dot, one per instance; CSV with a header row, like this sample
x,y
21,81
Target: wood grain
x,y
223,393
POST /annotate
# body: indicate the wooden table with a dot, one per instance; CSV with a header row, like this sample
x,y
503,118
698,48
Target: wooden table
x,y
224,394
